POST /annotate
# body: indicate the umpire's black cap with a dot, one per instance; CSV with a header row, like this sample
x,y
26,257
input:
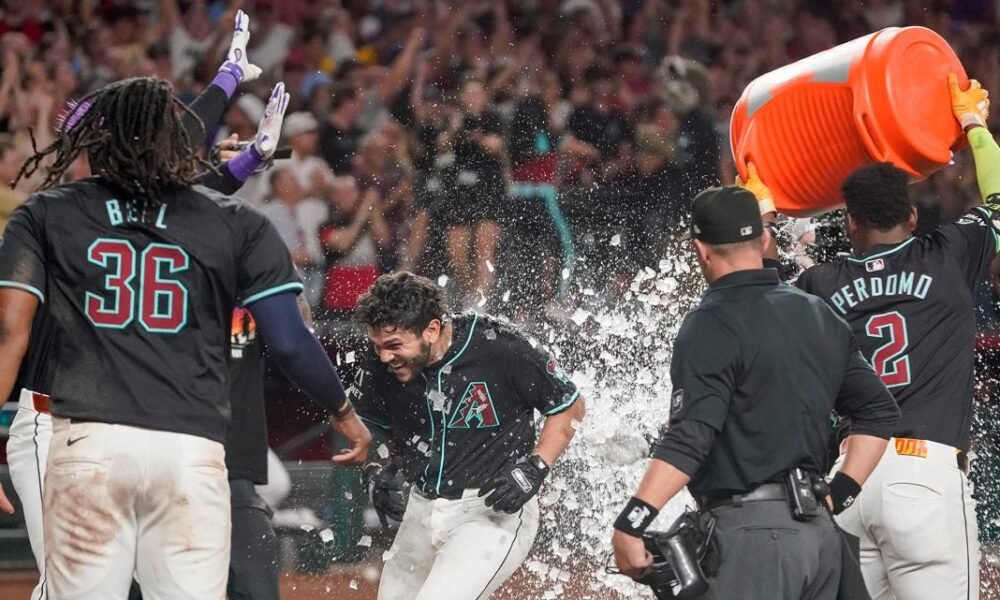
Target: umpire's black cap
x,y
725,215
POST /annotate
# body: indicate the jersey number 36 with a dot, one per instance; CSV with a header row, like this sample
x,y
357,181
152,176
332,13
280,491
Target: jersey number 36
x,y
890,360
161,301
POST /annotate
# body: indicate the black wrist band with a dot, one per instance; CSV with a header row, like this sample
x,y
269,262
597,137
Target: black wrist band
x,y
843,492
635,517
344,410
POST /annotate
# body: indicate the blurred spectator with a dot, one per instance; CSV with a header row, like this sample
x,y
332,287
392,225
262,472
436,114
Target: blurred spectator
x,y
477,151
351,239
269,38
286,193
339,134
316,180
10,164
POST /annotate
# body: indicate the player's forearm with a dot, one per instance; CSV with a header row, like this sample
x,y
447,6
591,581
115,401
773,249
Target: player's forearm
x,y
661,482
206,110
987,156
558,432
17,310
862,455
298,353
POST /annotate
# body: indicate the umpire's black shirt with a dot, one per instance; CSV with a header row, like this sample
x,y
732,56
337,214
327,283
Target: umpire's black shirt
x,y
756,369
469,414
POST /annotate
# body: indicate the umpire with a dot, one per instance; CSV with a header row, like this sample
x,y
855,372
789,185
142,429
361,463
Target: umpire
x,y
757,368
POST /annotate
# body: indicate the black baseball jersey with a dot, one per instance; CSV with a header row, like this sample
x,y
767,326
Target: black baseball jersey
x,y
141,304
912,308
757,367
246,442
464,418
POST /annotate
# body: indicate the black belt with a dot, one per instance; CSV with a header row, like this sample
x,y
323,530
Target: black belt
x,y
452,495
763,493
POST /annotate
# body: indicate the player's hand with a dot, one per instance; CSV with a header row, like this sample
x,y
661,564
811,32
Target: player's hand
x,y
358,436
970,106
754,185
5,504
229,148
631,555
237,62
269,128
514,486
387,490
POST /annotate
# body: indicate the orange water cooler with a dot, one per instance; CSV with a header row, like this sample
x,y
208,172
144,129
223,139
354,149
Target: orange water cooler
x,y
880,98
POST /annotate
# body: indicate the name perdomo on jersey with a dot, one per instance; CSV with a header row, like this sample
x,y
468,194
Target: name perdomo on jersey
x,y
905,283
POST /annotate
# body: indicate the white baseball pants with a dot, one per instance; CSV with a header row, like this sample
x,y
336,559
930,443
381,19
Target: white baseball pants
x,y
27,453
121,500
456,549
916,520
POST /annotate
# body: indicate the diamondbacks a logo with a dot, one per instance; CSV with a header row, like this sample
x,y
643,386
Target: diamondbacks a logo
x,y
475,411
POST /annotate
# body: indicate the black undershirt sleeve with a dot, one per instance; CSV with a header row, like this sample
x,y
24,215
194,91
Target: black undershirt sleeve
x,y
209,107
685,445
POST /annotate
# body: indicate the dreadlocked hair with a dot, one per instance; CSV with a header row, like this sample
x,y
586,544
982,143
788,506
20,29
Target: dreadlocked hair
x,y
133,137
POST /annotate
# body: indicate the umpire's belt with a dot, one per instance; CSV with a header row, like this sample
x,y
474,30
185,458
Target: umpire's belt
x,y
762,493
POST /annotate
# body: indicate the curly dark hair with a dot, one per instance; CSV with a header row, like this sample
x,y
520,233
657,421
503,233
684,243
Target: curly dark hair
x,y
132,133
403,300
876,196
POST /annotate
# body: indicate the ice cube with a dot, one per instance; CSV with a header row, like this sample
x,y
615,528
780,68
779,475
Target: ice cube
x,y
443,280
489,266
422,447
354,584
383,451
365,541
616,240
490,334
326,535
580,316
349,357
506,296
387,555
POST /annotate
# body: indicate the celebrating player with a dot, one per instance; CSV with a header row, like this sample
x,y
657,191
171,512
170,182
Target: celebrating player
x,y
910,302
140,271
457,395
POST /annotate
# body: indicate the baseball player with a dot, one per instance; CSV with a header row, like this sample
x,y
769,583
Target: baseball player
x,y
31,430
140,270
910,302
457,396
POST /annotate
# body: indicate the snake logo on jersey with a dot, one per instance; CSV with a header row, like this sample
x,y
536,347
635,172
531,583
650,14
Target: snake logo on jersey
x,y
475,411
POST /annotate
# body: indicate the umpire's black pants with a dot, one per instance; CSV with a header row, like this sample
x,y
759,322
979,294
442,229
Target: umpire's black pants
x,y
253,560
768,555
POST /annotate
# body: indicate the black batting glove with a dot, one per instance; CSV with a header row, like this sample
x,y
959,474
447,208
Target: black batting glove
x,y
387,490
514,486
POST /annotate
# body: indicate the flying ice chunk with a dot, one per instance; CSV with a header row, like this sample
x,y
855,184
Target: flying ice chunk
x,y
306,528
348,496
664,266
437,399
506,296
387,555
422,447
365,541
443,280
565,273
491,334
383,451
580,316
326,535
349,357
616,240
354,584
489,266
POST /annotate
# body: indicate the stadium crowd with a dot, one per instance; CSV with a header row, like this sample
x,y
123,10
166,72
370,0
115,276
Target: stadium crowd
x,y
548,142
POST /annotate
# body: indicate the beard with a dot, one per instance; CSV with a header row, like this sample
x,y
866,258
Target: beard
x,y
418,362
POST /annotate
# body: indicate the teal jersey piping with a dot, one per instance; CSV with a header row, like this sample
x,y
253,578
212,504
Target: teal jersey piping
x,y
444,413
295,285
881,254
23,287
564,405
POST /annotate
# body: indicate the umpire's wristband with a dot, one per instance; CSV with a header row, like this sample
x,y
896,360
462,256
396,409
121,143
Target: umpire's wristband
x,y
635,517
843,492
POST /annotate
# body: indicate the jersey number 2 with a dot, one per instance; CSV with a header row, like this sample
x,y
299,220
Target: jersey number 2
x,y
162,301
890,360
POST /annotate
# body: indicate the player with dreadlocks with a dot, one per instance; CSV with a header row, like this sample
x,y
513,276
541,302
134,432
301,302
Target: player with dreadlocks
x,y
140,270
